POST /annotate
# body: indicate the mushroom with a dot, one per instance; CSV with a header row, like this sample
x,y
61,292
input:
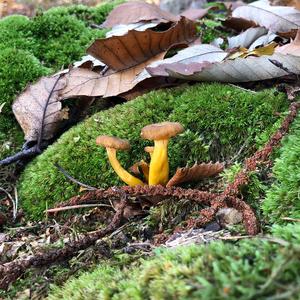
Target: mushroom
x,y
160,133
112,144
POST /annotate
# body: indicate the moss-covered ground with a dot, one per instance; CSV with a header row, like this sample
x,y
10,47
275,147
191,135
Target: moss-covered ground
x,y
250,269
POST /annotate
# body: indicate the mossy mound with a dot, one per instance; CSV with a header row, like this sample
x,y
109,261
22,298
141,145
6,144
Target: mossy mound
x,y
31,48
89,15
218,119
282,199
17,69
249,269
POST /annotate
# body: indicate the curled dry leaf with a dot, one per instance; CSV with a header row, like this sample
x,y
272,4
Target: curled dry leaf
x,y
246,38
274,18
123,52
137,11
38,109
195,173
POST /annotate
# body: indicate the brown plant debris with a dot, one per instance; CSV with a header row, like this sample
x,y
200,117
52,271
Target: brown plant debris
x,y
10,272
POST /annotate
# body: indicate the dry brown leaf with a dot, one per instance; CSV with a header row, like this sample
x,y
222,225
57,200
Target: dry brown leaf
x,y
123,52
38,109
136,11
292,48
195,173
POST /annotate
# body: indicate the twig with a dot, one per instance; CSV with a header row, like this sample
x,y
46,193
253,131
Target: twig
x,y
63,171
54,210
290,219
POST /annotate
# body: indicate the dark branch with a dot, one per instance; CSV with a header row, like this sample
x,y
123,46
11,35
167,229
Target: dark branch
x,y
62,170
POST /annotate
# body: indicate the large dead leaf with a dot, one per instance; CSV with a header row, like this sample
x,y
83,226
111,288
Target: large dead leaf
x,y
237,70
195,173
137,11
274,18
136,47
38,110
197,53
292,48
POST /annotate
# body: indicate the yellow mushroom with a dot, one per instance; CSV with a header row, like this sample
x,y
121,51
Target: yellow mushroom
x,y
160,133
112,144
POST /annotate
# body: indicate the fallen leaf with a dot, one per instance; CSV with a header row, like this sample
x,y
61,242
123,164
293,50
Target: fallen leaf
x,y
38,110
136,47
195,173
244,53
197,53
292,48
246,38
274,18
136,11
237,70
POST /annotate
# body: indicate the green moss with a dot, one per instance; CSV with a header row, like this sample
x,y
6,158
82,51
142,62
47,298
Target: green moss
x,y
282,199
249,269
89,15
17,69
14,33
218,119
64,41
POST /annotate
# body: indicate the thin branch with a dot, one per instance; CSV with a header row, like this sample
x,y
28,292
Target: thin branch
x,y
71,178
54,210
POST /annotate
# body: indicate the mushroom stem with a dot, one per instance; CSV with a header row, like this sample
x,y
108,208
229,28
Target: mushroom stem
x,y
123,174
159,165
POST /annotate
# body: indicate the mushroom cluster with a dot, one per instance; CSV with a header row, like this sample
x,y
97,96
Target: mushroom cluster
x,y
157,172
